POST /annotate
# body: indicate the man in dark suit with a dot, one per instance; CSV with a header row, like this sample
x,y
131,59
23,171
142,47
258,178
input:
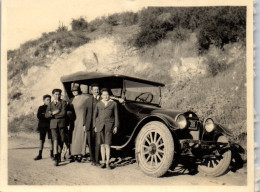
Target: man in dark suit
x,y
91,141
44,126
57,110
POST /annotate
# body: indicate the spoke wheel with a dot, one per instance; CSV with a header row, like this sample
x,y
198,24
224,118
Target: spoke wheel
x,y
219,165
154,149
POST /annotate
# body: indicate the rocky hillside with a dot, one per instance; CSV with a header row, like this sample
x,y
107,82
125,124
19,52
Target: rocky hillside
x,y
212,83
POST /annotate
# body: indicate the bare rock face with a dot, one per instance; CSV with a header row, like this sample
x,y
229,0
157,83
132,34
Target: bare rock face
x,y
189,67
102,55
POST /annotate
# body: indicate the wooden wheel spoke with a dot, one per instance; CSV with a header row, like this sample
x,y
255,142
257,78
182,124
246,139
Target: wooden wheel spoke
x,y
145,146
151,162
151,137
147,140
155,136
149,156
156,161
213,163
208,164
158,140
162,144
160,151
159,157
146,152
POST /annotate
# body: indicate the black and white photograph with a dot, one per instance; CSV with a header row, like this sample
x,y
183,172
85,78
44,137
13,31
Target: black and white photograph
x,y
127,93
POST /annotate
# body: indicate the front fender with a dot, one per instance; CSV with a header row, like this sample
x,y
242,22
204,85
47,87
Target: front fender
x,y
222,129
170,122
155,117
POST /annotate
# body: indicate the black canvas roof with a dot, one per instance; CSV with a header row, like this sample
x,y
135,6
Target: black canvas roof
x,y
79,76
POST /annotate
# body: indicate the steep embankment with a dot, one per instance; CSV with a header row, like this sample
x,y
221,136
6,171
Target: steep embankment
x,y
189,81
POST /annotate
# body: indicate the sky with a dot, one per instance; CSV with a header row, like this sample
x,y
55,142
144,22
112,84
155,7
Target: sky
x,y
28,19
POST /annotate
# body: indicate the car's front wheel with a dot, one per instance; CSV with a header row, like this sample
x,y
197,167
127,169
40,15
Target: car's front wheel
x,y
154,149
219,165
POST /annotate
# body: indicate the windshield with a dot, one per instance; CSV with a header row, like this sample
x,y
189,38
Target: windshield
x,y
142,92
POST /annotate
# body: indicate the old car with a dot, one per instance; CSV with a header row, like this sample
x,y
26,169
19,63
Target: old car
x,y
158,135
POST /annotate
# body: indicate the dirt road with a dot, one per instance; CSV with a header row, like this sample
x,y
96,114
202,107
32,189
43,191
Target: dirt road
x,y
23,170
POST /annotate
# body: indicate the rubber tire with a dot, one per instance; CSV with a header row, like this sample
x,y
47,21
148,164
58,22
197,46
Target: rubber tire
x,y
167,138
222,167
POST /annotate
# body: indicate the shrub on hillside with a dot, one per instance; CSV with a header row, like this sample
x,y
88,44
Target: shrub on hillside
x,y
228,24
149,37
113,19
214,25
96,23
216,65
178,35
79,24
129,18
217,60
24,123
62,28
106,28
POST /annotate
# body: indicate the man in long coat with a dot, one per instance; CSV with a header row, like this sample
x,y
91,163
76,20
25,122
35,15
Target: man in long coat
x,y
94,147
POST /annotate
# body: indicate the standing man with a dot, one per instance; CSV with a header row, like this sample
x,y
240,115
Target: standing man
x,y
56,110
44,126
94,147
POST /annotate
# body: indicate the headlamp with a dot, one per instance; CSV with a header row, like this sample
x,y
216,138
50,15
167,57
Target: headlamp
x,y
182,121
209,125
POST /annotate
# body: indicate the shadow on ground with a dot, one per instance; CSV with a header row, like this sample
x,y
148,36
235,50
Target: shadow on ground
x,y
183,165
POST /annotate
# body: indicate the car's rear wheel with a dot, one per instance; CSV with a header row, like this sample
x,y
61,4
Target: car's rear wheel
x,y
219,165
154,149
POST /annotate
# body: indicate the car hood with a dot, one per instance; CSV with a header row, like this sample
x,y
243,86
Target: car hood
x,y
145,109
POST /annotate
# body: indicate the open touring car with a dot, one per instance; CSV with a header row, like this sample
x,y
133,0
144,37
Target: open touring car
x,y
158,135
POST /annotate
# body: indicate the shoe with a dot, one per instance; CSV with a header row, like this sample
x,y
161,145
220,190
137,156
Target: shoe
x,y
72,159
103,165
38,157
84,160
51,154
108,166
79,159
93,163
56,159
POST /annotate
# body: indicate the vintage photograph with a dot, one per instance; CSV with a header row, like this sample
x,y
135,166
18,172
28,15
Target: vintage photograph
x,y
128,93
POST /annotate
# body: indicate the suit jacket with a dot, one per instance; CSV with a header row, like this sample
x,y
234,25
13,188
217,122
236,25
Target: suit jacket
x,y
105,115
89,112
58,120
44,123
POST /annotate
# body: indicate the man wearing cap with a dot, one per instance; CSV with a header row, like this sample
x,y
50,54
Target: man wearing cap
x,y
57,110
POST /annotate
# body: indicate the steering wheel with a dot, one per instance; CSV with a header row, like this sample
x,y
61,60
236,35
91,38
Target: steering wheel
x,y
145,97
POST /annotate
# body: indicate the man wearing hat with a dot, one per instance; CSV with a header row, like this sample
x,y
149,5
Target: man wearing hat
x,y
57,110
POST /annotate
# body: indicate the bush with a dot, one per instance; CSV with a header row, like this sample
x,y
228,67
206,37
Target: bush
x,y
214,25
106,28
129,18
216,61
216,65
113,19
178,35
224,25
62,28
149,37
24,123
96,23
79,24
